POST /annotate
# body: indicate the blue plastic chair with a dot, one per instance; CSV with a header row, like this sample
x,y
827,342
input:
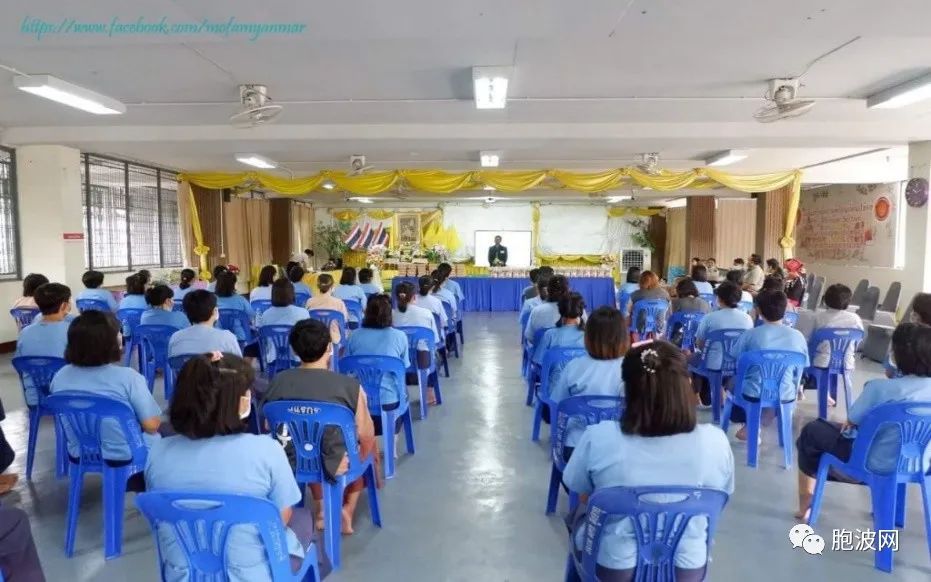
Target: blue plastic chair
x,y
452,343
237,322
306,422
153,354
441,346
648,316
623,298
329,317
178,306
23,316
39,371
92,305
259,306
533,370
771,366
656,540
417,337
827,379
177,362
745,306
574,413
790,319
687,323
710,298
81,415
276,338
301,299
370,370
459,328
554,361
188,514
725,339
129,320
912,422
356,313
525,358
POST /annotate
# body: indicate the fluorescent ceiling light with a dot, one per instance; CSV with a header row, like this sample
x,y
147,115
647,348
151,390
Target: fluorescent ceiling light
x,y
362,200
490,85
329,185
68,94
256,161
907,93
490,159
489,188
726,158
616,199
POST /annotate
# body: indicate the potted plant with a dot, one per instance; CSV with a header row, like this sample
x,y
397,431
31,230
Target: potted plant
x,y
330,238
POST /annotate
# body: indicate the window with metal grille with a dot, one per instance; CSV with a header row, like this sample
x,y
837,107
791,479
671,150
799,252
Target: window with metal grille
x,y
130,215
9,234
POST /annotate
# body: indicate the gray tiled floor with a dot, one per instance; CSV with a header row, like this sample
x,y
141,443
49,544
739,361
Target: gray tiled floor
x,y
469,505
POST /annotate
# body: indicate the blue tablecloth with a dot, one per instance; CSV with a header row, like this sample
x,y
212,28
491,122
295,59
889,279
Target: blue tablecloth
x,y
498,294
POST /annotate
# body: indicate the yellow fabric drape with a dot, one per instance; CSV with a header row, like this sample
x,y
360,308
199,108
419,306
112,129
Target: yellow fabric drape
x,y
620,211
200,249
788,241
186,224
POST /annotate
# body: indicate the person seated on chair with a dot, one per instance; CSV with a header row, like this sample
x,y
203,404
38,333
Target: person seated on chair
x,y
736,277
543,282
283,310
349,289
93,356
794,282
774,269
657,442
569,331
531,290
30,283
444,292
213,452
687,298
546,315
325,300
447,270
836,300
200,306
649,290
739,265
753,278
376,337
631,284
772,335
19,560
598,373
365,281
911,345
700,278
296,275
430,302
92,281
161,308
48,337
185,284
228,298
770,283
714,275
726,316
217,271
135,293
313,380
409,314
263,290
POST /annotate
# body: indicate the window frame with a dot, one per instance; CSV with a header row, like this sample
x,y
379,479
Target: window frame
x,y
17,275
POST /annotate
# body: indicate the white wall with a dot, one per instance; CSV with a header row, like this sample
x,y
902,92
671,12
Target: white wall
x,y
469,218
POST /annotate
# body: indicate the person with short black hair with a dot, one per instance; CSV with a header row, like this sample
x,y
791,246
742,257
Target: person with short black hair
x,y
543,281
921,309
911,346
135,293
200,306
263,288
699,276
627,288
657,442
213,451
714,275
774,269
31,282
365,281
296,275
145,276
531,290
836,300
498,254
47,337
687,298
283,310
217,271
739,265
161,308
696,261
546,315
754,277
93,354
569,331
92,281
349,290
737,277
185,285
313,380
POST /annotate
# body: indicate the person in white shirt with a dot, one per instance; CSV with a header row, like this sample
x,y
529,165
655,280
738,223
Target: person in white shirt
x,y
263,291
408,314
736,277
427,300
836,299
753,278
700,278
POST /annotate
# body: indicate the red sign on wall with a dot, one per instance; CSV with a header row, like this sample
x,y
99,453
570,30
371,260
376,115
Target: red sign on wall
x,y
72,235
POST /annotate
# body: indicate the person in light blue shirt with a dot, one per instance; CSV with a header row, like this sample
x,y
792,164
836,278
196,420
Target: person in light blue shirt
x,y
546,315
161,304
700,278
92,281
228,298
543,281
186,285
49,337
263,290
445,293
200,306
349,291
569,332
365,281
283,310
598,373
376,337
135,293
627,288
213,452
409,314
911,346
217,271
727,316
296,275
432,303
446,271
657,442
92,353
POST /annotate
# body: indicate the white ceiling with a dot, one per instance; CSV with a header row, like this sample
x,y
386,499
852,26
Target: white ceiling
x,y
595,83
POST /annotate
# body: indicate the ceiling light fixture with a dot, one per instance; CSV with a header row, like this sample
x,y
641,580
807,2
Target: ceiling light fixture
x,y
490,159
489,188
726,158
68,94
256,161
362,200
490,86
616,199
329,185
907,93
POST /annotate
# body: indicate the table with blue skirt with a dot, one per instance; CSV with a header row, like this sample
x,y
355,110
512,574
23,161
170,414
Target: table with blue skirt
x,y
502,294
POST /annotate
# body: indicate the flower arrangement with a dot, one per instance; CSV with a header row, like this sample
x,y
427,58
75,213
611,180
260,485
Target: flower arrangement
x,y
641,236
437,254
376,255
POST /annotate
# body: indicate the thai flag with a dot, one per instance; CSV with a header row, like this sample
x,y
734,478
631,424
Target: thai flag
x,y
353,237
382,238
360,243
374,236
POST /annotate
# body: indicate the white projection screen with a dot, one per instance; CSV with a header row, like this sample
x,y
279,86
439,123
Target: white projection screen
x,y
518,243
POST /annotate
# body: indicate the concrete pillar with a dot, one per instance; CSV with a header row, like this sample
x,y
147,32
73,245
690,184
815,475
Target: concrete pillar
x,y
699,227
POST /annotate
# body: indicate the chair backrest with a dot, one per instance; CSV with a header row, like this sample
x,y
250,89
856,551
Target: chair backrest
x,y
554,361
659,515
448,308
300,299
370,371
328,317
623,298
355,309
868,304
306,421
154,340
416,337
23,316
276,338
177,362
524,318
725,339
92,305
686,323
83,414
814,293
839,339
790,319
709,298
890,302
647,314
913,420
809,279
201,524
40,370
178,305
771,366
369,296
259,306
579,412
745,306
129,319
237,322
859,291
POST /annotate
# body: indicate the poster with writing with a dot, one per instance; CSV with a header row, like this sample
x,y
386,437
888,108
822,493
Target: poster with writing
x,y
849,224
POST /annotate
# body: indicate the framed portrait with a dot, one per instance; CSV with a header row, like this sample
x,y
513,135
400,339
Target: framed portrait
x,y
409,229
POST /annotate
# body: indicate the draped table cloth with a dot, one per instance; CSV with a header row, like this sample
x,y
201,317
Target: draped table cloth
x,y
502,294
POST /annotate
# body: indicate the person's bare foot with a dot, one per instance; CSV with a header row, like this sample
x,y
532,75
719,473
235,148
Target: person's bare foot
x,y
318,521
741,433
7,482
831,401
803,514
347,523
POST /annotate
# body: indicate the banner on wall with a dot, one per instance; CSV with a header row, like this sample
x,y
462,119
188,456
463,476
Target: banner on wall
x,y
850,224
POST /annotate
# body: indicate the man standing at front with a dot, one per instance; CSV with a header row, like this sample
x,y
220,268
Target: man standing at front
x,y
498,254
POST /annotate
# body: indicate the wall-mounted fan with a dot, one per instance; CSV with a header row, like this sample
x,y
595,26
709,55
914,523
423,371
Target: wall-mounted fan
x,y
358,166
649,163
783,102
256,107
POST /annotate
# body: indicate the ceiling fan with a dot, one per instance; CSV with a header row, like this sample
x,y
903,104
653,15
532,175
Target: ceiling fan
x,y
649,164
783,101
255,107
358,166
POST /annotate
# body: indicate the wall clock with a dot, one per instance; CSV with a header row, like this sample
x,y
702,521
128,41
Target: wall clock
x,y
916,192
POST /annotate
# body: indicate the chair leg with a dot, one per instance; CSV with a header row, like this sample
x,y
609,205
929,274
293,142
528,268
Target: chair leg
x,y
900,495
714,385
573,501
387,433
785,430
753,434
572,575
445,355
818,496
75,484
553,494
726,414
537,419
332,514
114,497
422,385
822,384
531,385
926,500
409,431
435,374
459,329
884,495
61,450
848,382
35,417
371,488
